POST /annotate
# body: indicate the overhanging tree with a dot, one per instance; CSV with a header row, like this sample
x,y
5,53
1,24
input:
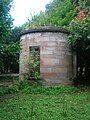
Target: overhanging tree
x,y
9,45
58,13
80,40
5,20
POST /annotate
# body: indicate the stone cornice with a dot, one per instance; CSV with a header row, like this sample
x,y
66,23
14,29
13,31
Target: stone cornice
x,y
45,29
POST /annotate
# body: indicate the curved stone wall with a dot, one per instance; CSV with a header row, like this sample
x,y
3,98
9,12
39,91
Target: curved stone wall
x,y
56,66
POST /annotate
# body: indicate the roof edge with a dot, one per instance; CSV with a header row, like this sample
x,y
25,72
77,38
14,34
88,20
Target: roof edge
x,y
45,29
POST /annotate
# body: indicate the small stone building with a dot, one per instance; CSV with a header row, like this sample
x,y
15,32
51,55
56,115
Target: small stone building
x,y
56,63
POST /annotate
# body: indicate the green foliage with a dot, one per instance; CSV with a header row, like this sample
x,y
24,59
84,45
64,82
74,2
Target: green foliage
x,y
80,30
9,78
9,90
5,20
23,106
55,90
23,85
83,4
58,13
35,88
34,65
61,12
80,41
15,34
9,40
9,56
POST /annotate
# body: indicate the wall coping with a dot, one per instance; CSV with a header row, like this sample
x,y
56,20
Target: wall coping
x,y
45,29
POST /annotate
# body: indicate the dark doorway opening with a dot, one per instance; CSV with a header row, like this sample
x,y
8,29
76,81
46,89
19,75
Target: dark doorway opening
x,y
34,62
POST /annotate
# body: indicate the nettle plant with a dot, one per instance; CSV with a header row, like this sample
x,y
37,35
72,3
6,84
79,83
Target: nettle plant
x,y
34,65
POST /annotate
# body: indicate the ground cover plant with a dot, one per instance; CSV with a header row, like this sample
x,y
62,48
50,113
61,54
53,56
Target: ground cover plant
x,y
46,103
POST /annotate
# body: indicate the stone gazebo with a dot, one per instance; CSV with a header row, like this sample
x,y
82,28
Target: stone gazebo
x,y
56,66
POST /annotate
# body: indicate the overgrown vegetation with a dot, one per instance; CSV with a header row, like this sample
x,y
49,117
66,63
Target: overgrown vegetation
x,y
34,65
51,103
9,58
74,15
35,88
9,90
79,38
71,14
9,40
58,13
9,77
35,102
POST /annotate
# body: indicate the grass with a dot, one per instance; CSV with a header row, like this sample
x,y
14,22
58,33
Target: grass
x,y
47,103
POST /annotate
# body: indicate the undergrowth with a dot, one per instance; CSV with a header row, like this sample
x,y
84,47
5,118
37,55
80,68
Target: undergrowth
x,y
9,90
35,88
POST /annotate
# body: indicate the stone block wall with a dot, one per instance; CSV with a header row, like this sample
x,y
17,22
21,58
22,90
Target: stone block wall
x,y
56,64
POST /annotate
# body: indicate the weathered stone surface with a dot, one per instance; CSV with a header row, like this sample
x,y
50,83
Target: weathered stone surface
x,y
49,75
49,62
56,66
46,52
